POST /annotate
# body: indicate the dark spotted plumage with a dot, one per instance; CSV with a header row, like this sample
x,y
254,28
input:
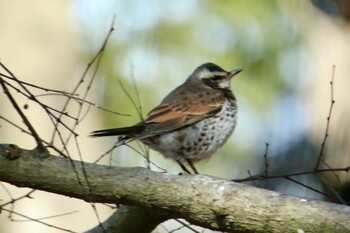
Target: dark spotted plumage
x,y
192,122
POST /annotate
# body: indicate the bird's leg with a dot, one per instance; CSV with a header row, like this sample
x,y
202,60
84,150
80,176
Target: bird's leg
x,y
192,166
183,166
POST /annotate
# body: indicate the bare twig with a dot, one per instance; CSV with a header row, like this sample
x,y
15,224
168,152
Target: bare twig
x,y
41,104
126,91
145,156
35,86
83,101
15,125
97,56
266,163
250,175
138,103
262,177
320,155
57,120
38,140
81,116
186,225
310,188
55,93
13,200
107,152
54,119
334,192
49,217
36,220
49,145
138,99
334,173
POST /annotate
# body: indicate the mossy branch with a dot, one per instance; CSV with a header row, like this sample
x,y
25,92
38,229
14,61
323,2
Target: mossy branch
x,y
209,202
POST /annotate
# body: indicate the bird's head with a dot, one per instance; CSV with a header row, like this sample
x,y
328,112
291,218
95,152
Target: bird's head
x,y
214,76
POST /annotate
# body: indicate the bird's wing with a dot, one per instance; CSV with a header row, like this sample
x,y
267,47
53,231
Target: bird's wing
x,y
174,114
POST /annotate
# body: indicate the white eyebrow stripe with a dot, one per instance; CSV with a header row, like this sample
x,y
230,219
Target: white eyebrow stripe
x,y
219,73
208,74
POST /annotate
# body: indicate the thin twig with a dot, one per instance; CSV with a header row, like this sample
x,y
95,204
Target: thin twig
x,y
7,191
35,86
81,101
266,163
49,217
83,76
42,104
144,148
54,119
184,224
138,99
126,91
38,140
80,109
310,188
13,200
334,192
38,221
334,173
106,153
48,145
145,156
262,177
15,125
250,175
321,154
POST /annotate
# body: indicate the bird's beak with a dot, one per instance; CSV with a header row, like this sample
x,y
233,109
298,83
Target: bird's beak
x,y
232,73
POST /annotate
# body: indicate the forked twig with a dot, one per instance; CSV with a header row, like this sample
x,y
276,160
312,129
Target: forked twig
x,y
33,85
36,220
54,119
75,89
13,200
83,101
37,139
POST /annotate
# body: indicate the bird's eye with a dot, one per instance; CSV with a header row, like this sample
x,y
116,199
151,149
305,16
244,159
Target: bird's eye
x,y
217,78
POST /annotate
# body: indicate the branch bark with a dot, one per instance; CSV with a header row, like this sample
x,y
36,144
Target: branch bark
x,y
202,200
131,219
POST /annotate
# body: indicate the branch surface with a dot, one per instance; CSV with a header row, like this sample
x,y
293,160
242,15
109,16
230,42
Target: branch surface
x,y
131,219
202,200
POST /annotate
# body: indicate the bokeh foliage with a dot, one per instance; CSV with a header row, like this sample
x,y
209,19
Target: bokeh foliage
x,y
161,45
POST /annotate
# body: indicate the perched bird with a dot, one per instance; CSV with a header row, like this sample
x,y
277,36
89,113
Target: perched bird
x,y
192,122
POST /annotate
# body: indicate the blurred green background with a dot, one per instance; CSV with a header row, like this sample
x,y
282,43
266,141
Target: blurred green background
x,y
158,44
283,93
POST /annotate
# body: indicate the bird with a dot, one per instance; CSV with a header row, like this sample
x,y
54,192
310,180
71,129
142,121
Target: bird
x,y
192,122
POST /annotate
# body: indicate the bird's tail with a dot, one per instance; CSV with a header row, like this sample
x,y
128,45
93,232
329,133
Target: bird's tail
x,y
127,131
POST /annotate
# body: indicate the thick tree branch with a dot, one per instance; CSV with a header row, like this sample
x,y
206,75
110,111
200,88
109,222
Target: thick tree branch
x,y
132,219
205,201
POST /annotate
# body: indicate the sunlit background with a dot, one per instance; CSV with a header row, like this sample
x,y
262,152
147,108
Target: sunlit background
x,y
286,48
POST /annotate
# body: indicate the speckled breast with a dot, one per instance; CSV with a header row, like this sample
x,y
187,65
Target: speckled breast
x,y
200,140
